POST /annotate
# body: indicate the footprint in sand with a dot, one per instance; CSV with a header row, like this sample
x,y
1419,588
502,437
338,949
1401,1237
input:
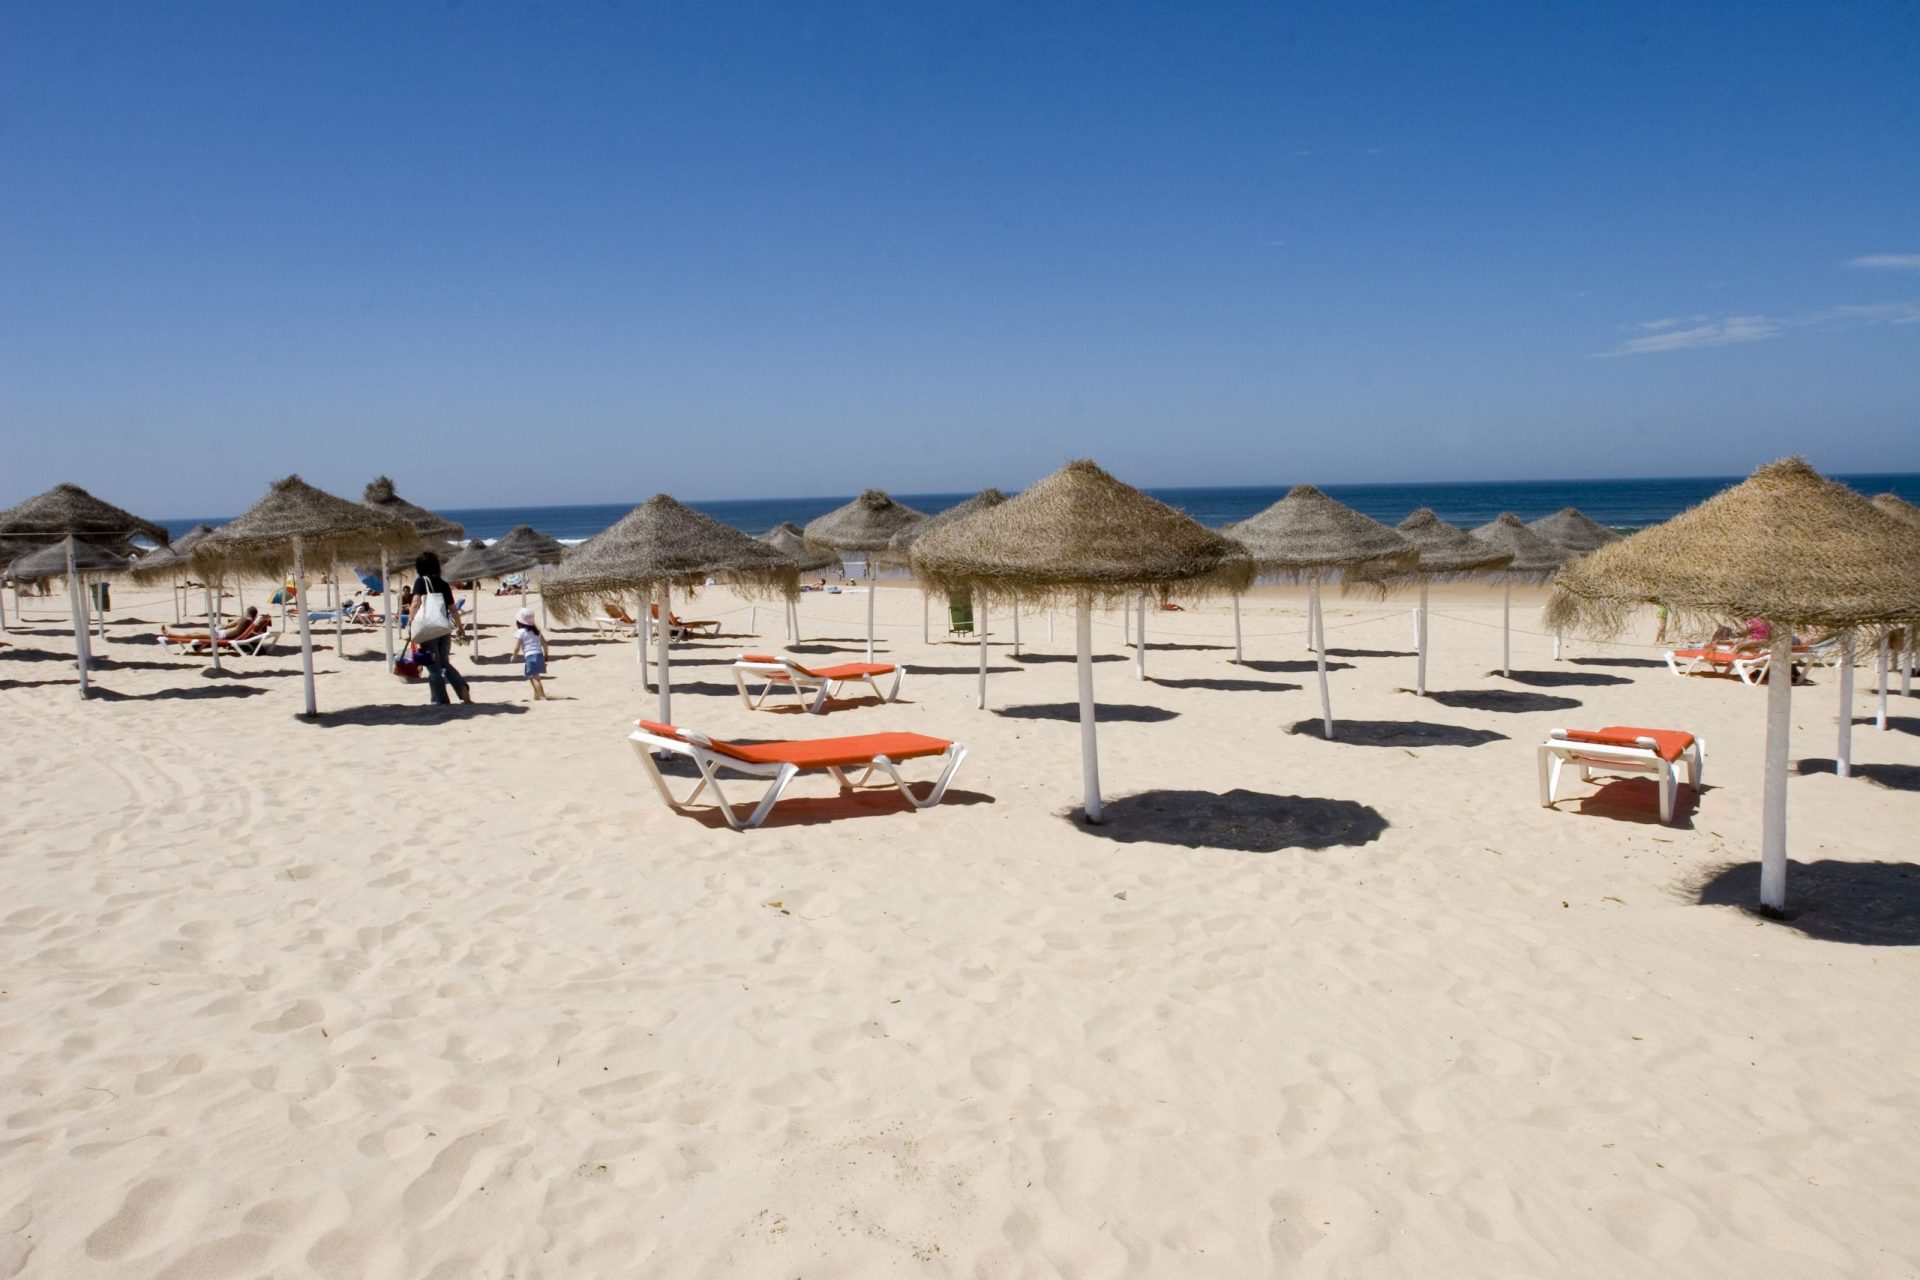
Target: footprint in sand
x,y
445,1178
151,1213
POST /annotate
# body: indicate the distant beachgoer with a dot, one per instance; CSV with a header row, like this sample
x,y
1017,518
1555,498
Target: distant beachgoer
x,y
1660,633
531,647
436,653
1758,631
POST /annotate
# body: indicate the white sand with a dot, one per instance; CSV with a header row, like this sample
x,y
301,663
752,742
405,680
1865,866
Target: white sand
x,y
407,993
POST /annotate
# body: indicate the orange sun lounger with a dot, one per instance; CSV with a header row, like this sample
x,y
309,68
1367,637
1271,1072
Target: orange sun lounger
x,y
1623,749
871,753
782,672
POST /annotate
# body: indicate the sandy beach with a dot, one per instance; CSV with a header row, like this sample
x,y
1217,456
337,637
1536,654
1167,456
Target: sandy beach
x,y
418,993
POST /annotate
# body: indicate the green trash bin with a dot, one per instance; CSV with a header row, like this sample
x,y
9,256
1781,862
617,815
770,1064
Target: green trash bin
x,y
102,597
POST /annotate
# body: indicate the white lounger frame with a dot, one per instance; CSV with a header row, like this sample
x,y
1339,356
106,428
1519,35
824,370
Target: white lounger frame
x,y
248,648
709,762
784,673
1558,751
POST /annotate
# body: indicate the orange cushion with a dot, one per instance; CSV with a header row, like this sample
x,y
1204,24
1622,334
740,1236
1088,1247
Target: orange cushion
x,y
821,753
1668,744
850,671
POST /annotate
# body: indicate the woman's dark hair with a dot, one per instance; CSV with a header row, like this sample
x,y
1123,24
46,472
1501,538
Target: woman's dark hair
x,y
427,564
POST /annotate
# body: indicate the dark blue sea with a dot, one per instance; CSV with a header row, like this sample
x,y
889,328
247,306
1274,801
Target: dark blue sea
x,y
1621,504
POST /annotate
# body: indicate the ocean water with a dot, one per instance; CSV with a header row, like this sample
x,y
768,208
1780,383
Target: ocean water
x,y
1622,504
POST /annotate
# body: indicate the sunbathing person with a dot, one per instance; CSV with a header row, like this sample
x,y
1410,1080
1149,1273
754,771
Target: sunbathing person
x,y
244,627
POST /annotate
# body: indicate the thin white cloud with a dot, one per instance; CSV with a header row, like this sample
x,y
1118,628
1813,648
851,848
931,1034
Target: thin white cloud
x,y
1705,331
1887,261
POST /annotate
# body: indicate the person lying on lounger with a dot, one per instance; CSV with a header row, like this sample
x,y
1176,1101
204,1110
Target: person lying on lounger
x,y
239,628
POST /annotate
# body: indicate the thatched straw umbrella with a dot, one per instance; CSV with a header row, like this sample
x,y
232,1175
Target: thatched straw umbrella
x,y
787,536
657,546
1535,559
88,559
1446,551
900,551
434,529
1080,535
1309,535
1900,509
523,550
867,525
1572,530
471,563
277,534
1786,545
69,512
168,564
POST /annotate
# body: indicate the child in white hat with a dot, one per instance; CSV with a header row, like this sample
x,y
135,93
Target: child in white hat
x,y
531,646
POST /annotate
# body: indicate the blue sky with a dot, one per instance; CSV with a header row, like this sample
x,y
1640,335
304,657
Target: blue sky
x,y
589,251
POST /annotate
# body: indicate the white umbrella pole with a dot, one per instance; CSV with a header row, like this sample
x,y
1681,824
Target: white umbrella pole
x,y
1773,804
475,621
1238,655
980,628
386,606
1880,716
339,612
1016,629
1426,622
642,628
1140,639
1506,630
1415,618
79,618
1906,654
871,592
795,607
16,600
926,628
1089,745
176,604
213,628
306,629
1843,753
1320,655
1558,636
663,631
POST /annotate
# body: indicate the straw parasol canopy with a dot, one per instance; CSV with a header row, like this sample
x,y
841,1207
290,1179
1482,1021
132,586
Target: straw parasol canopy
x,y
787,537
67,510
1786,544
868,523
170,561
1898,507
51,561
261,541
525,547
1307,533
1570,529
659,543
1448,551
1080,532
431,527
1533,556
902,542
472,563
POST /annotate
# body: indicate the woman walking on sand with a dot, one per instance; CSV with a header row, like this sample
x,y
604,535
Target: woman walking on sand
x,y
433,621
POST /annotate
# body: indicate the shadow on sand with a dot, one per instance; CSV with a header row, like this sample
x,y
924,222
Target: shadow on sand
x,y
1032,658
1104,712
1398,733
1371,653
1628,800
1292,667
1243,821
1560,679
1875,904
197,693
1228,684
411,713
1512,701
1617,662
1894,777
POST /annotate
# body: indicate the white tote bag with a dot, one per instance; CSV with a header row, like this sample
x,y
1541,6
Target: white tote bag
x,y
430,620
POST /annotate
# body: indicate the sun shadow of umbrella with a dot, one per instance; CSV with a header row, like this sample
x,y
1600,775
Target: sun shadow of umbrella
x,y
1894,777
1503,700
1228,684
411,713
1238,820
1875,904
1294,666
1035,658
1370,653
1560,679
1105,712
957,670
1617,662
195,693
1398,733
